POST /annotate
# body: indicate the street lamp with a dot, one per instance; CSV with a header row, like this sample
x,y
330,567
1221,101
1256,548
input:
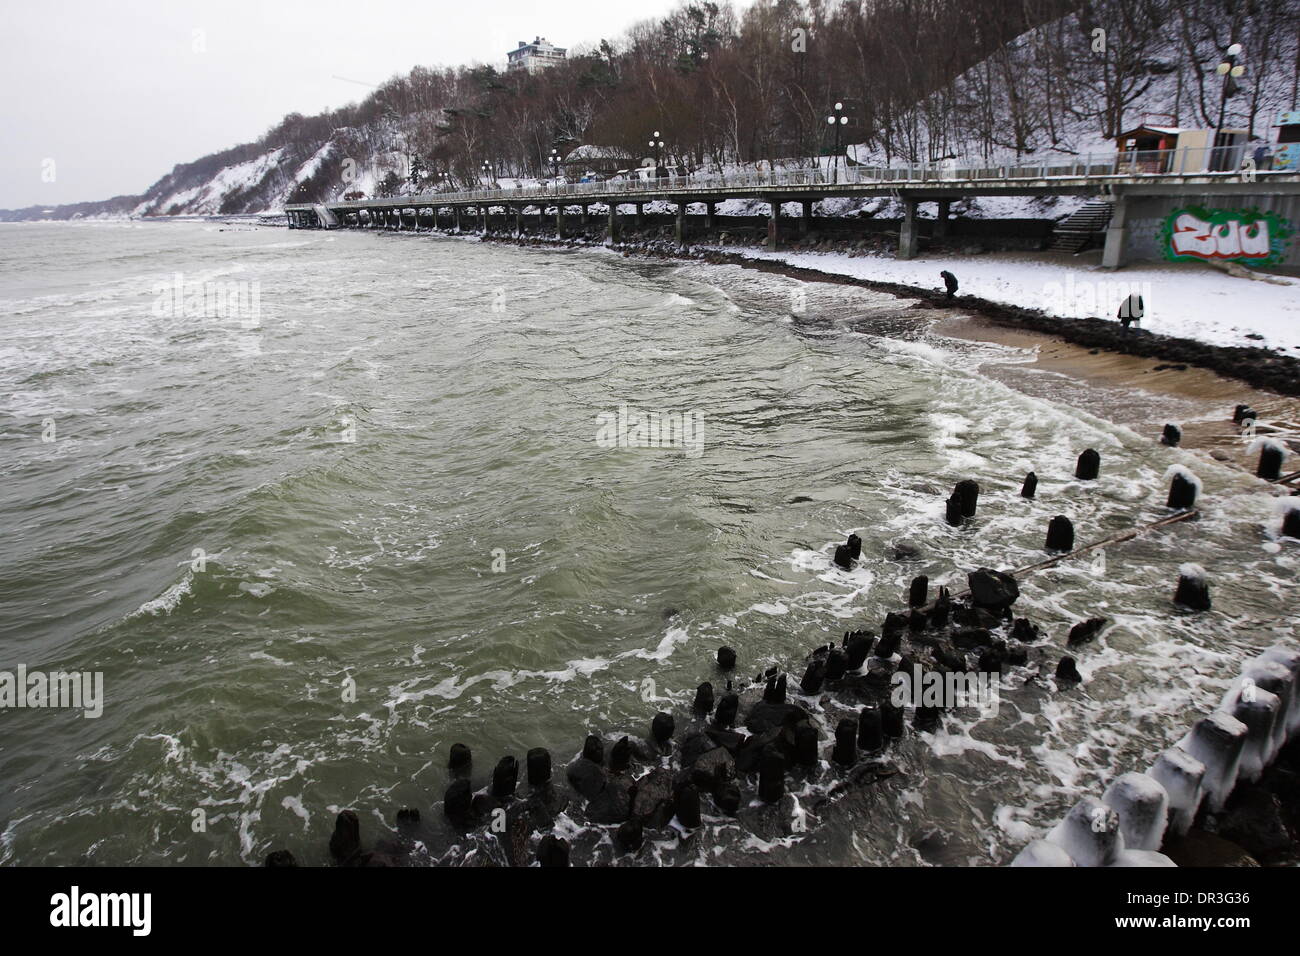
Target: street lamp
x,y
657,145
487,172
554,159
1231,71
837,121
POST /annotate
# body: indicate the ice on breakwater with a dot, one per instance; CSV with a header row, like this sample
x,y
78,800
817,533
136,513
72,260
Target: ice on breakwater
x,y
772,753
1232,744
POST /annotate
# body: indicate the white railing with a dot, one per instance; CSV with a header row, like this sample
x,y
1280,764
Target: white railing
x,y
1224,162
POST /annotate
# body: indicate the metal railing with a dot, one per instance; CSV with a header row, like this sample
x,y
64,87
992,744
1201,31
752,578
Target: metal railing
x,y
1224,162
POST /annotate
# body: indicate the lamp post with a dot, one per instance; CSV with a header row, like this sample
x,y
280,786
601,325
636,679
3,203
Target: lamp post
x,y
657,145
554,160
837,121
1230,70
487,172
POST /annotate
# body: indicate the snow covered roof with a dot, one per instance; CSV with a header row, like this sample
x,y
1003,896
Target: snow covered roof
x,y
1162,130
596,152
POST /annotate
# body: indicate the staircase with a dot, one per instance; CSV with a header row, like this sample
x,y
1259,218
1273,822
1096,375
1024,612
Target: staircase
x,y
1074,232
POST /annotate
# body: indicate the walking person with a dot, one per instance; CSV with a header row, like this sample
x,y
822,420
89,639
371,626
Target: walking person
x,y
950,282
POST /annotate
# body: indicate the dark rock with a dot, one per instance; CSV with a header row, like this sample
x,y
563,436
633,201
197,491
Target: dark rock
x,y
1201,849
1085,631
713,768
1270,463
652,799
1171,436
1060,534
729,740
1017,655
1025,631
971,637
926,717
764,716
726,658
905,550
727,799
1067,672
613,804
279,858
694,746
1089,465
1254,820
703,699
1291,523
345,842
844,556
538,762
1030,487
594,750
805,745
586,778
505,778
629,837
856,648
992,589
553,851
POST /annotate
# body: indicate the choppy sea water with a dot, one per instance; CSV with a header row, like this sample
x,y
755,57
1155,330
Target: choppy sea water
x,y
311,548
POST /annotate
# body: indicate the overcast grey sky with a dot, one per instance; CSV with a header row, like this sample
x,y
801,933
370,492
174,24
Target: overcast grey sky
x,y
116,92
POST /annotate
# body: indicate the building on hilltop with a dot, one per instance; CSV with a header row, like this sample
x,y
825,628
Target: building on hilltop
x,y
534,56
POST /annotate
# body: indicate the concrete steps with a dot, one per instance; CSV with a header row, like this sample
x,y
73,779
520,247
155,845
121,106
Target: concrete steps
x,y
1075,232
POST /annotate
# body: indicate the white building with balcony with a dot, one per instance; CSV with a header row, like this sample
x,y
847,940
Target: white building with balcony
x,y
535,56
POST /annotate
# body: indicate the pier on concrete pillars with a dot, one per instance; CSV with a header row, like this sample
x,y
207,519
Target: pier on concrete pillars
x,y
1112,254
613,224
908,236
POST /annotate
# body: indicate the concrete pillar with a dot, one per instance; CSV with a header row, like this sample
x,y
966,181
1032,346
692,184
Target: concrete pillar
x,y
773,229
941,219
456,213
640,214
711,216
583,218
681,224
1112,256
519,220
907,235
559,220
613,222
806,219
483,217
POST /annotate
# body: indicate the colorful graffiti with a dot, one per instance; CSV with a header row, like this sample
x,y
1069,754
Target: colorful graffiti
x,y
1247,236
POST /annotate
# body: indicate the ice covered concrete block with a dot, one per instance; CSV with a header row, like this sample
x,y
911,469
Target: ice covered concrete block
x,y
1217,741
1181,775
1089,833
1143,858
1259,711
1290,659
1276,679
1042,853
1143,808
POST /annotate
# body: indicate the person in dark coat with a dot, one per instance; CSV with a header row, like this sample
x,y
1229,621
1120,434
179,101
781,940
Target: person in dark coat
x,y
1131,310
950,281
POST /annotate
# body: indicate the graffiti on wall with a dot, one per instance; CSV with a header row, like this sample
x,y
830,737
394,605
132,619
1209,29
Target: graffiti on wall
x,y
1247,236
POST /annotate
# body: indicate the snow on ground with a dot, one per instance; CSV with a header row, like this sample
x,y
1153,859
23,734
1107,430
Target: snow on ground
x,y
1188,301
